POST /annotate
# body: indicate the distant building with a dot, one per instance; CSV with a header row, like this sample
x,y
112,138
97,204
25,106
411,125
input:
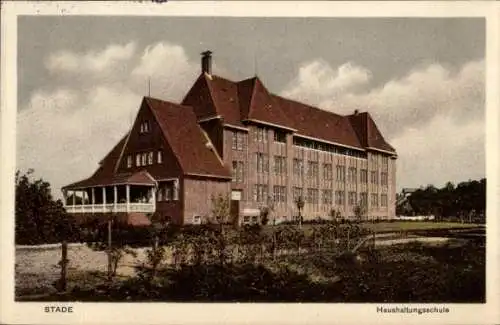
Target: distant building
x,y
239,140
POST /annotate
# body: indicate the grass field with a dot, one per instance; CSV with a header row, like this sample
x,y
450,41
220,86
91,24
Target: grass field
x,y
417,225
397,226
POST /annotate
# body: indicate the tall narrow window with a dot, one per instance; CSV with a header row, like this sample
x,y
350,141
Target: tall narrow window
x,y
129,161
235,140
138,159
160,157
150,158
144,159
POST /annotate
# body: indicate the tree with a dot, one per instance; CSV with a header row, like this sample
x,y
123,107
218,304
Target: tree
x,y
299,202
359,212
220,209
335,215
40,219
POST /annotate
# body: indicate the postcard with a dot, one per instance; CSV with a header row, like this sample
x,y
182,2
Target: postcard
x,y
250,162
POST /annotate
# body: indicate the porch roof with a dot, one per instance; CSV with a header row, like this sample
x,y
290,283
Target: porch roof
x,y
139,178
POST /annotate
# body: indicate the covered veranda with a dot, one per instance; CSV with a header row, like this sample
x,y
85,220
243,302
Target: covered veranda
x,y
121,193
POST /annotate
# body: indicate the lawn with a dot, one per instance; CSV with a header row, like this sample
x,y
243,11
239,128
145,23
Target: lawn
x,y
394,226
417,225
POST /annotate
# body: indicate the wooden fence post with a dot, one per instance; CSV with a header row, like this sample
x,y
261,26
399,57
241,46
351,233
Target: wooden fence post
x,y
64,266
110,263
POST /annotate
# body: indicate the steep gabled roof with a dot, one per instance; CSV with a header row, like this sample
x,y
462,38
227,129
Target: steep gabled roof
x,y
225,98
314,122
259,104
368,132
190,146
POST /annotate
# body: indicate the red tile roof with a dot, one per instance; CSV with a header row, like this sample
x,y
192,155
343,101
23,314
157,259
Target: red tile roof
x,y
254,102
368,132
140,178
192,148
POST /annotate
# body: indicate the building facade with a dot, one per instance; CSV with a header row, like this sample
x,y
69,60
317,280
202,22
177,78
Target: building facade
x,y
238,140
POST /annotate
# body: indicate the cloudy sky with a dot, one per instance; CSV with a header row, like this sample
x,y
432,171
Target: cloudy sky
x,y
81,80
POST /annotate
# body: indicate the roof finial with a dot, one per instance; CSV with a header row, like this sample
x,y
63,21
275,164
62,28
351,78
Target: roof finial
x,y
149,86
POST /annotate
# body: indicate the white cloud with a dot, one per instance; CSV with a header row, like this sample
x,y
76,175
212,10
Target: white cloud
x,y
432,115
317,81
92,61
168,68
63,135
64,132
440,151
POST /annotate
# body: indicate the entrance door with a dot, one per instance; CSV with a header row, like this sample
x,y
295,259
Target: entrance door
x,y
235,205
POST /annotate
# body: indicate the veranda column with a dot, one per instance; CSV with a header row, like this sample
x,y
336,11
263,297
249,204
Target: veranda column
x,y
115,197
154,197
93,199
104,196
74,197
83,200
128,197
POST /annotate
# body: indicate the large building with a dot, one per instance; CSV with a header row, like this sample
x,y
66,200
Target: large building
x,y
241,141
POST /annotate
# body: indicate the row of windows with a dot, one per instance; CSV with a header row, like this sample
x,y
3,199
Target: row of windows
x,y
313,171
145,159
168,191
326,147
312,196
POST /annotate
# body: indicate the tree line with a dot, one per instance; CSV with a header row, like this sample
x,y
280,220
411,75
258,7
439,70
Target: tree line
x,y
466,200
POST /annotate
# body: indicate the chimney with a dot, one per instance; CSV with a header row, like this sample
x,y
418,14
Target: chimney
x,y
206,62
356,112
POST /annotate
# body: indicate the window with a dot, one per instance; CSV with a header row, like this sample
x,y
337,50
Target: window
x,y
144,127
261,134
150,158
298,167
339,197
197,220
159,194
327,172
262,163
327,197
129,161
383,200
363,176
297,192
363,199
235,141
160,157
168,191
385,161
238,171
383,178
312,196
352,198
279,165
351,174
279,136
238,140
279,194
260,193
138,159
375,199
312,170
374,177
340,173
144,159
